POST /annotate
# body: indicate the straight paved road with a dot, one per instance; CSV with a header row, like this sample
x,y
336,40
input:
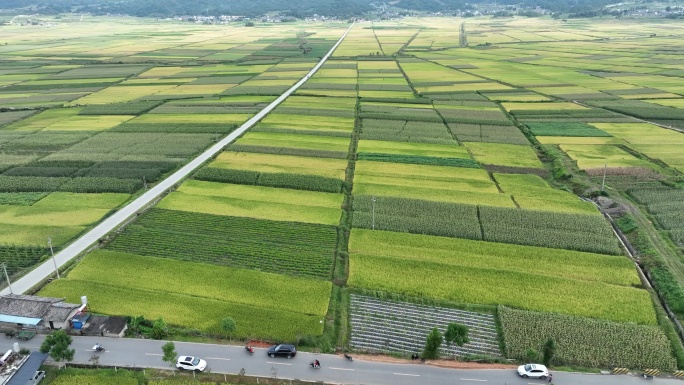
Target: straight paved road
x,y
335,369
47,269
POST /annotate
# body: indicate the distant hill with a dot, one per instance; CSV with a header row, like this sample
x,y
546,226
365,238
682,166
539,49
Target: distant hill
x,y
298,8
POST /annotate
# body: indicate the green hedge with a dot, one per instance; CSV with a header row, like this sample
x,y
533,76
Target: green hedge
x,y
131,108
30,183
42,171
283,180
223,175
300,182
289,151
417,159
566,129
193,128
101,185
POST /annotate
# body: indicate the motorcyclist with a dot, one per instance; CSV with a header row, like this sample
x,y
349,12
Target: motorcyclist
x,y
317,364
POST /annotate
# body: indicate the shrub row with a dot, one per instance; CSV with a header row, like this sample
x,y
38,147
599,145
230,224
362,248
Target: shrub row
x,y
283,180
566,129
266,128
131,108
150,170
417,159
35,87
42,171
100,185
316,112
176,127
289,151
397,115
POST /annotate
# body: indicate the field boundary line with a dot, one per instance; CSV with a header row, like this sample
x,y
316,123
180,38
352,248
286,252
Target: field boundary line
x,y
47,268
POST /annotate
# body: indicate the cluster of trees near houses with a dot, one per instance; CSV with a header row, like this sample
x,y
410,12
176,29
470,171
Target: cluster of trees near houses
x,y
299,9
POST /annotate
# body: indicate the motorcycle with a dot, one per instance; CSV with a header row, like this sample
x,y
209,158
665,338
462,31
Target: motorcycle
x,y
315,364
347,356
249,350
98,348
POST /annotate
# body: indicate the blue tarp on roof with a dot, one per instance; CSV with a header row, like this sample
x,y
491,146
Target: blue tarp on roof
x,y
12,319
28,370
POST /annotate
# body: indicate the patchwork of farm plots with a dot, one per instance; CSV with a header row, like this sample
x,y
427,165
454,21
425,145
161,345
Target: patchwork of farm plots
x,y
253,192
424,177
102,139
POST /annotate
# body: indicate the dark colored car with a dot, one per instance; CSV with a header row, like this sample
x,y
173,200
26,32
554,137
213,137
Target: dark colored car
x,y
282,350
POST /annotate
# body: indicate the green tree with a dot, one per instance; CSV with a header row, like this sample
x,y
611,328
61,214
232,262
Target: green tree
x,y
159,330
434,341
456,334
57,346
135,325
169,350
228,325
548,351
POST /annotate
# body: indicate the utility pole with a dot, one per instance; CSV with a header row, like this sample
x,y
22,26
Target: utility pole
x,y
603,183
9,284
373,214
53,256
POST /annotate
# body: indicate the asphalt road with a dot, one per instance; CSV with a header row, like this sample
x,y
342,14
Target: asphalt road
x,y
47,269
335,369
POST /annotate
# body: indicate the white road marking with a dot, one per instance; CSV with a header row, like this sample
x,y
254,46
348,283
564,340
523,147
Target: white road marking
x,y
351,370
472,379
217,358
278,363
407,374
153,354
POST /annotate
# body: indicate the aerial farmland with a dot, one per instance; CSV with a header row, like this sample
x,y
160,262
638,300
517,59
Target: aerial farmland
x,y
411,182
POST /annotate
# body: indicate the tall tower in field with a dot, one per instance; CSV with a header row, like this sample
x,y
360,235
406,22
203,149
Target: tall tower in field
x,y
462,39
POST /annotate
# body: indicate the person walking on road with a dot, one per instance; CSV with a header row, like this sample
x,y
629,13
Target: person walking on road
x,y
550,377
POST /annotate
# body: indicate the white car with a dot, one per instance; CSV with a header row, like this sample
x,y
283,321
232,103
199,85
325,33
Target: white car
x,y
191,363
533,371
36,378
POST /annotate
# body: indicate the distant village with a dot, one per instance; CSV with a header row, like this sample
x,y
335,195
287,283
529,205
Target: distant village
x,y
384,11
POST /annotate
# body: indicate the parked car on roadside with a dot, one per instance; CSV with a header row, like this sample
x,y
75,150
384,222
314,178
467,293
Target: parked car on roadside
x,y
533,371
36,378
191,363
282,350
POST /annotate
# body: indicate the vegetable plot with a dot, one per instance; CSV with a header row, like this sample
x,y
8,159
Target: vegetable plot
x,y
586,342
